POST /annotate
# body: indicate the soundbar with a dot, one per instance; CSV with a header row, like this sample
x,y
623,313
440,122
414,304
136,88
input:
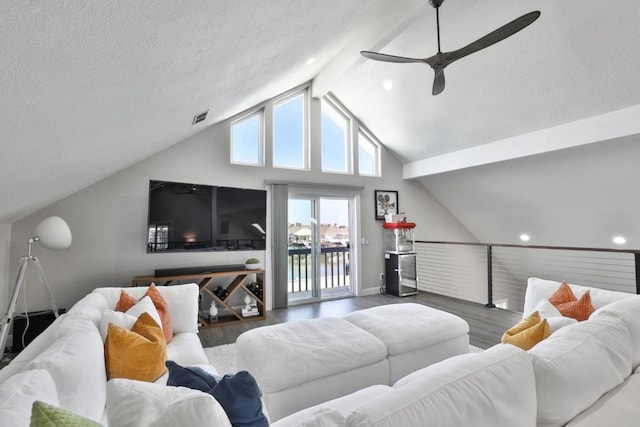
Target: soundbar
x,y
164,272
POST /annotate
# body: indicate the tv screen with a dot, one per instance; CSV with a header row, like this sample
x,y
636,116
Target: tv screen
x,y
193,217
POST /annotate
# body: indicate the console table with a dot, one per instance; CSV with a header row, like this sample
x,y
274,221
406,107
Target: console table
x,y
239,282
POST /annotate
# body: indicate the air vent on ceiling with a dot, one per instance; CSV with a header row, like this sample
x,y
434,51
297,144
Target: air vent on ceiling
x,y
199,117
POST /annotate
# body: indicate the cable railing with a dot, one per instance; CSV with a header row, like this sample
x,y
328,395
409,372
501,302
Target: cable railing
x,y
496,274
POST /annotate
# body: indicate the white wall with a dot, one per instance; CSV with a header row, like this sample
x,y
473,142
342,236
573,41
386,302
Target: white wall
x,y
109,219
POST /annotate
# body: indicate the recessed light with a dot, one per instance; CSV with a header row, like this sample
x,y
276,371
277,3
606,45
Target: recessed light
x,y
619,240
525,237
387,84
311,60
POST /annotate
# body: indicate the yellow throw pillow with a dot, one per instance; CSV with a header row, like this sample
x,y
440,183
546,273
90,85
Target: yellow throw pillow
x,y
138,354
528,332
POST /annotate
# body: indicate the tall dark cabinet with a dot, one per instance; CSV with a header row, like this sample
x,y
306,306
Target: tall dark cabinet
x,y
401,277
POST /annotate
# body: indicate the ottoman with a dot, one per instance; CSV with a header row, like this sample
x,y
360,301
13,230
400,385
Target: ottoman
x,y
415,335
303,363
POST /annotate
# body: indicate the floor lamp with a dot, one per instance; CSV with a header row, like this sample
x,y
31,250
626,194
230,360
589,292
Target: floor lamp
x,y
52,233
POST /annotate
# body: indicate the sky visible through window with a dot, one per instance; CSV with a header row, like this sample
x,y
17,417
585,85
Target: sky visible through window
x,y
288,133
334,211
334,139
366,155
246,140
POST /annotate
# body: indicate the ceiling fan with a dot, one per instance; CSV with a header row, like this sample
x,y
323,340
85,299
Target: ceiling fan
x,y
441,60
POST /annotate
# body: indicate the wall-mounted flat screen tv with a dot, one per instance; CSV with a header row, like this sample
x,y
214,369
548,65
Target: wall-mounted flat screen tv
x,y
192,217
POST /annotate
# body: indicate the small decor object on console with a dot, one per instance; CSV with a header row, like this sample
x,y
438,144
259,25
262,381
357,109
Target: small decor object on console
x,y
213,312
250,308
221,292
256,289
253,264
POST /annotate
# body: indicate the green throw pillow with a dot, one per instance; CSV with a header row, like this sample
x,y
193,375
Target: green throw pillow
x,y
45,415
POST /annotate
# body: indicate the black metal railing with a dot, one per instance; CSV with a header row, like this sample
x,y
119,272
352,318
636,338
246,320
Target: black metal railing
x,y
496,274
334,268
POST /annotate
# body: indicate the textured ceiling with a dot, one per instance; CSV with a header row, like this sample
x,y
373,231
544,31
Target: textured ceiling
x,y
89,88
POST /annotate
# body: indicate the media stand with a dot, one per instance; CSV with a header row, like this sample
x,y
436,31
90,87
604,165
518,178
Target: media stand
x,y
239,283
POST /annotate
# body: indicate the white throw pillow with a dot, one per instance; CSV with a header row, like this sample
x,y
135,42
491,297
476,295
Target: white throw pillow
x,y
133,403
18,393
556,323
546,310
127,319
578,364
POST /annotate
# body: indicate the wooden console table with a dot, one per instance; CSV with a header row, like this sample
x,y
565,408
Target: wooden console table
x,y
204,280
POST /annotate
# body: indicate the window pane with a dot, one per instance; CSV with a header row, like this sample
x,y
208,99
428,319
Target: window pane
x,y
335,139
368,153
246,141
288,133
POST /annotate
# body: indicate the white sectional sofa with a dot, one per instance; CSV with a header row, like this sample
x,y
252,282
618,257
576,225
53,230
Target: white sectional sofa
x,y
64,366
585,374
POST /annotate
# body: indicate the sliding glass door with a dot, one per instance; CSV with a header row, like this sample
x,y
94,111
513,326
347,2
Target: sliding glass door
x,y
320,251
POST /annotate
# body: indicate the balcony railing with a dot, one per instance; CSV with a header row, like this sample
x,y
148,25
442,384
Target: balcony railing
x,y
334,268
496,274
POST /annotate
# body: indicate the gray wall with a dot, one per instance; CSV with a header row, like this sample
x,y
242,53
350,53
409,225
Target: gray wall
x,y
5,240
108,219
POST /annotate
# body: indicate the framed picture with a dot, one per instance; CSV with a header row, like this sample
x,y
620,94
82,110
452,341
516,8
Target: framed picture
x,y
386,203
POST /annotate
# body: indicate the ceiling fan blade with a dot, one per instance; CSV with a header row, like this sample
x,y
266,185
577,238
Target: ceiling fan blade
x,y
388,58
438,81
493,37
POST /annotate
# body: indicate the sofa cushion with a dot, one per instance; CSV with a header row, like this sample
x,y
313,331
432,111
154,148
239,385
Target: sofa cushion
x,y
618,407
578,364
141,404
91,305
182,302
45,415
284,355
629,311
75,361
138,354
538,289
186,349
528,332
470,389
345,405
409,326
546,310
18,393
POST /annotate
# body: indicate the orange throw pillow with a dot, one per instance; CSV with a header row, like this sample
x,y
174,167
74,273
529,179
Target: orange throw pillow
x,y
562,295
163,310
579,310
139,354
126,301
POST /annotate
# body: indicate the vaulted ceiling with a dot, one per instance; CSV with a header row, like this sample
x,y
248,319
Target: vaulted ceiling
x,y
89,88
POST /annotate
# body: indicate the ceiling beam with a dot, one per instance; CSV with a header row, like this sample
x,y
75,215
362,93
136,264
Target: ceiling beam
x,y
605,127
375,32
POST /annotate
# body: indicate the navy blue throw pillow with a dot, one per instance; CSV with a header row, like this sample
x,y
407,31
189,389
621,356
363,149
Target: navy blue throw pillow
x,y
239,395
191,377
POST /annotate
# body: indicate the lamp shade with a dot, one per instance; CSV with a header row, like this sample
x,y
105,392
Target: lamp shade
x,y
54,233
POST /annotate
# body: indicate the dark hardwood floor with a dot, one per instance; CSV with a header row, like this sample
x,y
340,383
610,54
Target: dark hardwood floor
x,y
486,324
